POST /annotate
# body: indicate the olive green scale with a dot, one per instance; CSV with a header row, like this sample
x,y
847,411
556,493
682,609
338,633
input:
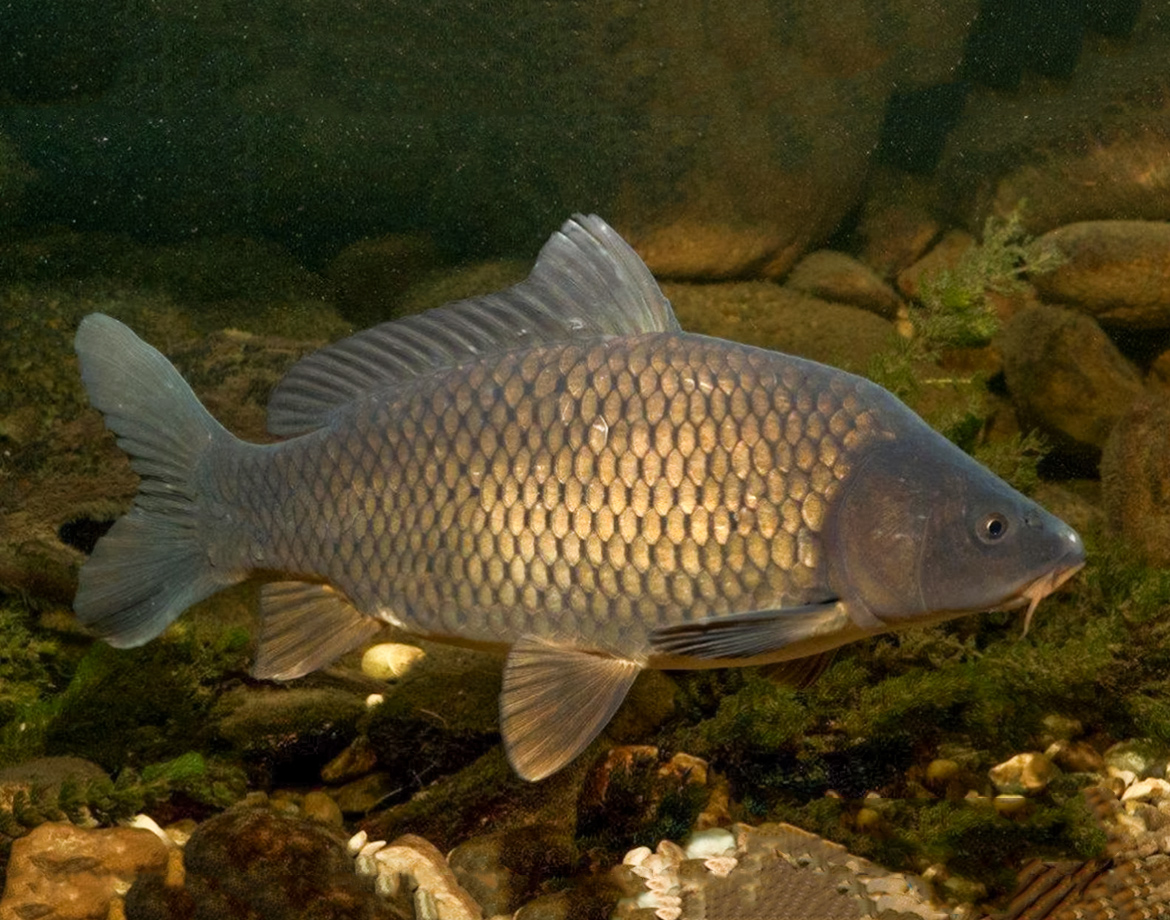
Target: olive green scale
x,y
575,493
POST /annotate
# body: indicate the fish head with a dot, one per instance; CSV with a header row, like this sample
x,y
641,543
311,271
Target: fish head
x,y
924,533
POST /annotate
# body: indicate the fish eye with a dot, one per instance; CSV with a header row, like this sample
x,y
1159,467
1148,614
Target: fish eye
x,y
993,527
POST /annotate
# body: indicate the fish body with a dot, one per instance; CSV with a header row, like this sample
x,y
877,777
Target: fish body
x,y
558,470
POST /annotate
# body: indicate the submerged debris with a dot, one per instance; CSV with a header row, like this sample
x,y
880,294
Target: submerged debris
x,y
775,870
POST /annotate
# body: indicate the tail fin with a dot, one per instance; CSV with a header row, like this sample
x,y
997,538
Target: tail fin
x,y
153,564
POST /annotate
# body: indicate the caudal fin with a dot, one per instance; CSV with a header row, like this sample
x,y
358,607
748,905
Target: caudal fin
x,y
153,564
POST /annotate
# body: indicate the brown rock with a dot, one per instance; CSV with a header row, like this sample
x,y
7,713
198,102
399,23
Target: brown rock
x,y
1135,477
1077,757
897,224
1116,270
254,864
371,275
752,179
1066,376
838,277
62,872
45,773
503,870
942,257
770,316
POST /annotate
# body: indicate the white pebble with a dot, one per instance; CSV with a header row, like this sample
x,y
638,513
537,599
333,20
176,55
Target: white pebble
x,y
720,866
356,842
371,848
1147,790
374,699
636,856
713,842
147,823
390,660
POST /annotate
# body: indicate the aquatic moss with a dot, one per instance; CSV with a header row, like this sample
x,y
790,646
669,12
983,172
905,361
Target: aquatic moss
x,y
26,670
210,784
136,706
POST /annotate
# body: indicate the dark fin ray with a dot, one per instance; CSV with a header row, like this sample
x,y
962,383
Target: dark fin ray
x,y
555,701
587,283
799,673
153,564
746,635
305,627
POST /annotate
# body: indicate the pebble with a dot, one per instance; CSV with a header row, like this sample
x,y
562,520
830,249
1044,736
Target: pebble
x,y
1144,758
1075,757
1010,806
320,806
390,660
1147,790
1028,773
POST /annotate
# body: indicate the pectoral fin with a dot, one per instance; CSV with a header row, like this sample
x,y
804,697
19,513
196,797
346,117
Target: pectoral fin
x,y
306,626
555,701
748,635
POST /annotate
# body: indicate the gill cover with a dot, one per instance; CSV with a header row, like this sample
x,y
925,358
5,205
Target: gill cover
x,y
923,532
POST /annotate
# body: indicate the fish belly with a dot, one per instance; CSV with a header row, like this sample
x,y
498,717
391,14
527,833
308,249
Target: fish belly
x,y
584,494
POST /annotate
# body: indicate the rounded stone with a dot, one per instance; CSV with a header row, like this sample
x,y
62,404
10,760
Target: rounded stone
x,y
1115,270
1066,376
390,660
1135,477
1028,774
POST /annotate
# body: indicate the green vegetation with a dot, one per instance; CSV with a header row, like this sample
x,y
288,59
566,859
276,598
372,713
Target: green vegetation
x,y
972,690
210,784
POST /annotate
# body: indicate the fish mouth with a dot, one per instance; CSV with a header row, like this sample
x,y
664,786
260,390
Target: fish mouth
x,y
1035,591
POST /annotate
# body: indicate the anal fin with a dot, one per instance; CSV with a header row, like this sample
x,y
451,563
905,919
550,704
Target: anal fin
x,y
306,626
555,701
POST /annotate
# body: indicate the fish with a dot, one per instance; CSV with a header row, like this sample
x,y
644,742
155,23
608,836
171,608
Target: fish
x,y
560,472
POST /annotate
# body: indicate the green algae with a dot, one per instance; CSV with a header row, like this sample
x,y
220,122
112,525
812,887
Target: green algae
x,y
974,689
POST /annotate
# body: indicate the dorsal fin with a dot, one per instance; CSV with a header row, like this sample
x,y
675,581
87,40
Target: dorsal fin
x,y
587,282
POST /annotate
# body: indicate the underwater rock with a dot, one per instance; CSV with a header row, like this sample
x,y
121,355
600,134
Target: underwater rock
x,y
440,716
840,278
46,774
775,870
1115,270
772,316
1090,147
897,223
414,877
1028,773
1065,375
942,257
356,760
1142,757
290,732
320,806
1135,477
62,872
503,870
633,791
254,864
363,795
1075,757
370,275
